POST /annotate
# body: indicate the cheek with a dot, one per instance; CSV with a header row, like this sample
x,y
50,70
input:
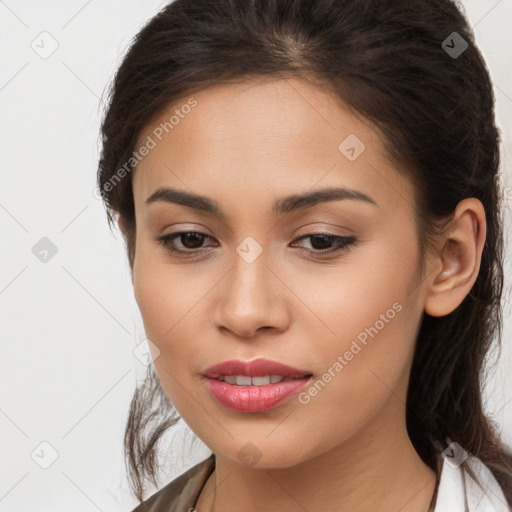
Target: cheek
x,y
369,316
361,371
154,307
169,301
167,324
157,295
365,288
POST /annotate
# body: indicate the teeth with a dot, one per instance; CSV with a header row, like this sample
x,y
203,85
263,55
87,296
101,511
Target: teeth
x,y
242,380
245,380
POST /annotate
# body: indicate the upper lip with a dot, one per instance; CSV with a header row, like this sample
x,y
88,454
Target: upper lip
x,y
255,368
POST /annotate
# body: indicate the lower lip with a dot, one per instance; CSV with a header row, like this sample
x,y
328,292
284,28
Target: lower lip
x,y
254,398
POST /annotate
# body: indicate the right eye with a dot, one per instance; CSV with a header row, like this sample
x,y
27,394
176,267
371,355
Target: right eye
x,y
193,238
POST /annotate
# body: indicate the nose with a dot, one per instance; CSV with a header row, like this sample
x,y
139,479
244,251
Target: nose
x,y
251,299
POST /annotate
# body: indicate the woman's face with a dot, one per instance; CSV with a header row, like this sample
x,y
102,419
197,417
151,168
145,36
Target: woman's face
x,y
255,283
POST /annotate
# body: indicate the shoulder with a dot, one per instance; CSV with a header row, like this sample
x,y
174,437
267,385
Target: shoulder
x,y
180,494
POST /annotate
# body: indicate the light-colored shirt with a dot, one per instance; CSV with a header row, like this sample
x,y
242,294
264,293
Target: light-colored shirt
x,y
458,492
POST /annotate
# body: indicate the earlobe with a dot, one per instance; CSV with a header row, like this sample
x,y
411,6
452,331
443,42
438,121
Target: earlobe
x,y
458,259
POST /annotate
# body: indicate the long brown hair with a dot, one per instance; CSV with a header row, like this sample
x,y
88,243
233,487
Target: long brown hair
x,y
413,69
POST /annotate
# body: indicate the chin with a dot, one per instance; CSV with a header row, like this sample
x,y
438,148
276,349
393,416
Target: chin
x,y
262,454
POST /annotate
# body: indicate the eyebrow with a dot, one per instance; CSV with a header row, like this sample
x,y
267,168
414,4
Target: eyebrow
x,y
281,206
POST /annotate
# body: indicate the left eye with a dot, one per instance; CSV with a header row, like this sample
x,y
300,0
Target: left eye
x,y
196,238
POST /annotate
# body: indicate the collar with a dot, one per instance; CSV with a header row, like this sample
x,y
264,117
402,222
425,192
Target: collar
x,y
458,492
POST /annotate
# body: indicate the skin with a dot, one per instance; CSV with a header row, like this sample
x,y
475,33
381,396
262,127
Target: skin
x,y
245,145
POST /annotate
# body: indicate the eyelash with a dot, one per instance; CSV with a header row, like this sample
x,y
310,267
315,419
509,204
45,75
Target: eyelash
x,y
344,242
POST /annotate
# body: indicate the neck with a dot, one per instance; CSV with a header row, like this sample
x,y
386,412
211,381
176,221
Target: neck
x,y
376,469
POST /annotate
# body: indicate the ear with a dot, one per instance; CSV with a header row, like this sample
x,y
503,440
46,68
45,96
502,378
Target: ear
x,y
457,260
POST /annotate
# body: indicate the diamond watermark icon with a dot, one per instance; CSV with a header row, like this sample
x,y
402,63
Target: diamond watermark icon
x,y
44,250
146,352
249,249
454,455
249,454
44,455
454,45
45,45
352,147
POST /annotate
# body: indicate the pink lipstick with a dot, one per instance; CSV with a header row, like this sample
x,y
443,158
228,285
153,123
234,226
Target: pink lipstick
x,y
254,386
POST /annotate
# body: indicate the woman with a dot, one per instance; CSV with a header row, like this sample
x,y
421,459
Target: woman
x,y
309,194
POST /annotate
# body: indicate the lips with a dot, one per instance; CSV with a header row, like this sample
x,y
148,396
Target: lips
x,y
257,368
249,392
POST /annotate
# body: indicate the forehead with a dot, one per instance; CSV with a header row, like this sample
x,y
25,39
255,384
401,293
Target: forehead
x,y
260,136
260,110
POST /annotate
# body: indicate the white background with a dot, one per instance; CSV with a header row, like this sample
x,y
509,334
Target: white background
x,y
68,327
